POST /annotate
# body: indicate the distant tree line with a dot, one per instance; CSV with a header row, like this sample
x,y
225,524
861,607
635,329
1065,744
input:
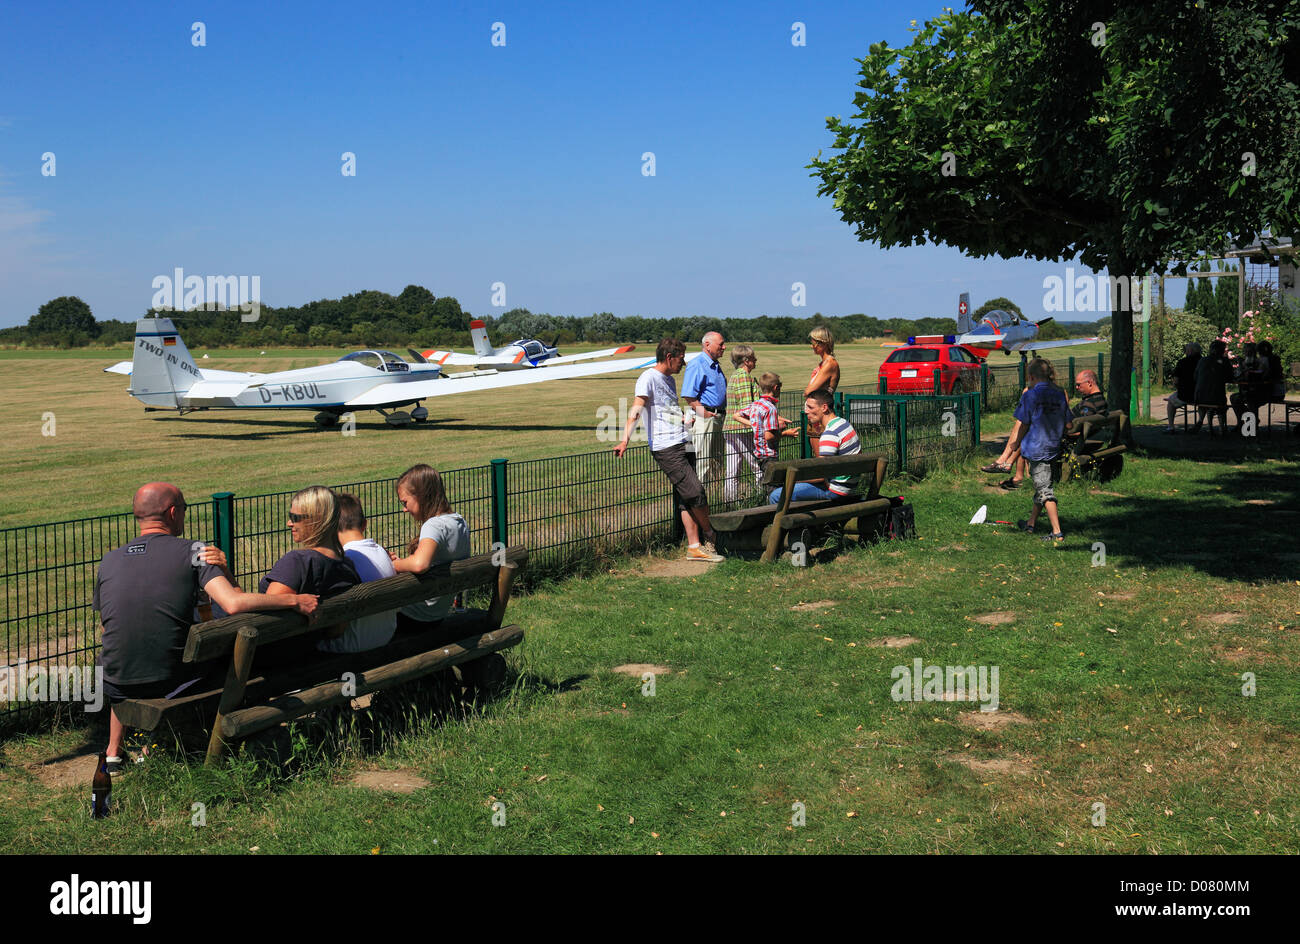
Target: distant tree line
x,y
417,318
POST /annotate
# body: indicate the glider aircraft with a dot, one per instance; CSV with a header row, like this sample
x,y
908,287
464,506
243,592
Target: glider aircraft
x,y
165,377
520,355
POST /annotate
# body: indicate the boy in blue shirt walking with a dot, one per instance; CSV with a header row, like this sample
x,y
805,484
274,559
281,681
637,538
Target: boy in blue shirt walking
x,y
1043,413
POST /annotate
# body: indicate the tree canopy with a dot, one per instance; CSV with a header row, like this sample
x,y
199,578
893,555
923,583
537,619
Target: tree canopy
x,y
66,321
1121,134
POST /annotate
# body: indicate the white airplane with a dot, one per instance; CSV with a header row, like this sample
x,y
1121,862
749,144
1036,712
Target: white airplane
x,y
519,355
165,377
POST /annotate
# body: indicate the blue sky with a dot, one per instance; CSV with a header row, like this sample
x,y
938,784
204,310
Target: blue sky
x,y
475,163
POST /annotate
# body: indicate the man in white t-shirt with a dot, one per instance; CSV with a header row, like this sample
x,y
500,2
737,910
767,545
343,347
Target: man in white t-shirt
x,y
666,430
372,563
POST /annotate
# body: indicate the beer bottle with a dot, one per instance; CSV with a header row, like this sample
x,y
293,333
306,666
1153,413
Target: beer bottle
x,y
101,787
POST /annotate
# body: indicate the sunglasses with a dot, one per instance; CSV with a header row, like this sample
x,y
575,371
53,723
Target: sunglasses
x,y
297,518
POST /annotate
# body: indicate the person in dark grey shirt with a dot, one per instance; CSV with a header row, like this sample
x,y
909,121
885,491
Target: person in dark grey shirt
x,y
145,592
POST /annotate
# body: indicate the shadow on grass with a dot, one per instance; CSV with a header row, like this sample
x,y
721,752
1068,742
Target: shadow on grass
x,y
1234,539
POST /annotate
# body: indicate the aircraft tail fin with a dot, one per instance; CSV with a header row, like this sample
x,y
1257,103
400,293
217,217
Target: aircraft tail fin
x,y
482,346
162,369
963,313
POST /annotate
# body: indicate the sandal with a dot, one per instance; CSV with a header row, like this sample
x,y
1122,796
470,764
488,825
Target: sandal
x,y
1009,485
993,467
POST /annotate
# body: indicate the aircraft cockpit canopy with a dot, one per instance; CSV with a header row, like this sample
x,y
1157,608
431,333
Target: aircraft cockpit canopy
x,y
996,318
534,349
379,360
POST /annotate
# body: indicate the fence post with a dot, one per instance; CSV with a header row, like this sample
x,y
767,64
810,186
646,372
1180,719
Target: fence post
x,y
937,382
1101,369
500,504
901,436
882,384
1069,385
984,385
804,450
223,525
1020,373
975,421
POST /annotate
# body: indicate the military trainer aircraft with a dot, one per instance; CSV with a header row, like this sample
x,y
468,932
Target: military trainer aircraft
x,y
519,355
165,377
1003,331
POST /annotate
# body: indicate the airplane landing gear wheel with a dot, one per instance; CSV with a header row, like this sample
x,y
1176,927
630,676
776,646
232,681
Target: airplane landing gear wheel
x,y
419,414
326,420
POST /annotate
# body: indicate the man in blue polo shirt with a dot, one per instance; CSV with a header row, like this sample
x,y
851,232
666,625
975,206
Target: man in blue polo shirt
x,y
704,388
1043,413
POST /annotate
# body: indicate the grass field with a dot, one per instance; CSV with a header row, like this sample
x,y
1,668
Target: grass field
x,y
1120,684
105,445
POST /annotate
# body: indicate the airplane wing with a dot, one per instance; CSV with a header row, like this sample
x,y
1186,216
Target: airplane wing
x,y
470,382
571,358
1032,345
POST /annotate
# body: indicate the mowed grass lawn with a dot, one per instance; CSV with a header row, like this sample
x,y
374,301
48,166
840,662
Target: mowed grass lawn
x,y
1119,684
105,446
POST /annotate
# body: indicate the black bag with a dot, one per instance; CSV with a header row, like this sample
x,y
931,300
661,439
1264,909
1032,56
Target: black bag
x,y
899,522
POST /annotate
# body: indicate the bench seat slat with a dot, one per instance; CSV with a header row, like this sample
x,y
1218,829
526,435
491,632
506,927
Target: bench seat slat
x,y
747,519
245,721
834,513
147,713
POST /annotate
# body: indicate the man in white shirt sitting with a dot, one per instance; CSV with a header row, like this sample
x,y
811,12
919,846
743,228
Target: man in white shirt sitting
x,y
372,563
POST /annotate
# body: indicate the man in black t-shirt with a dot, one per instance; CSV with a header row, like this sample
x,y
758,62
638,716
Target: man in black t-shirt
x,y
145,592
1092,402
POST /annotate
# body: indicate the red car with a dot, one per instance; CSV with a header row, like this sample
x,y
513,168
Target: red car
x,y
910,369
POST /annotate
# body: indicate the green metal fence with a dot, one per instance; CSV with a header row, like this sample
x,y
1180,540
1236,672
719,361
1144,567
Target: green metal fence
x,y
1002,383
568,510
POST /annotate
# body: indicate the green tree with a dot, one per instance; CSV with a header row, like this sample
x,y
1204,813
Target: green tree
x,y
64,320
414,298
1225,301
1005,304
1017,128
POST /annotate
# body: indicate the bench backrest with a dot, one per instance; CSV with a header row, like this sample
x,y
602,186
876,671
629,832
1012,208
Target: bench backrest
x,y
1116,422
871,466
217,637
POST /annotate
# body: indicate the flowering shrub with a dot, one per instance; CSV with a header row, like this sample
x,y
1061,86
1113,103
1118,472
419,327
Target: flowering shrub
x,y
1253,328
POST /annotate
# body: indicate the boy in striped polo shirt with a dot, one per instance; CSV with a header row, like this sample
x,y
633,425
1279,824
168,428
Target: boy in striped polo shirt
x,y
838,438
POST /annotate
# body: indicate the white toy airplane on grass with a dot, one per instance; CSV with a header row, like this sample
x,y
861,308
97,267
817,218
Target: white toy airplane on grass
x,y
519,355
165,377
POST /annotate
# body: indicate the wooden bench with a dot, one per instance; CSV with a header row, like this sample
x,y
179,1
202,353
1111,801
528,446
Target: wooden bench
x,y
769,526
248,702
1099,446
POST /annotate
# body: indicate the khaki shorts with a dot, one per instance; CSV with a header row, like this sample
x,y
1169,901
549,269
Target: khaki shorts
x,y
1041,474
679,466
